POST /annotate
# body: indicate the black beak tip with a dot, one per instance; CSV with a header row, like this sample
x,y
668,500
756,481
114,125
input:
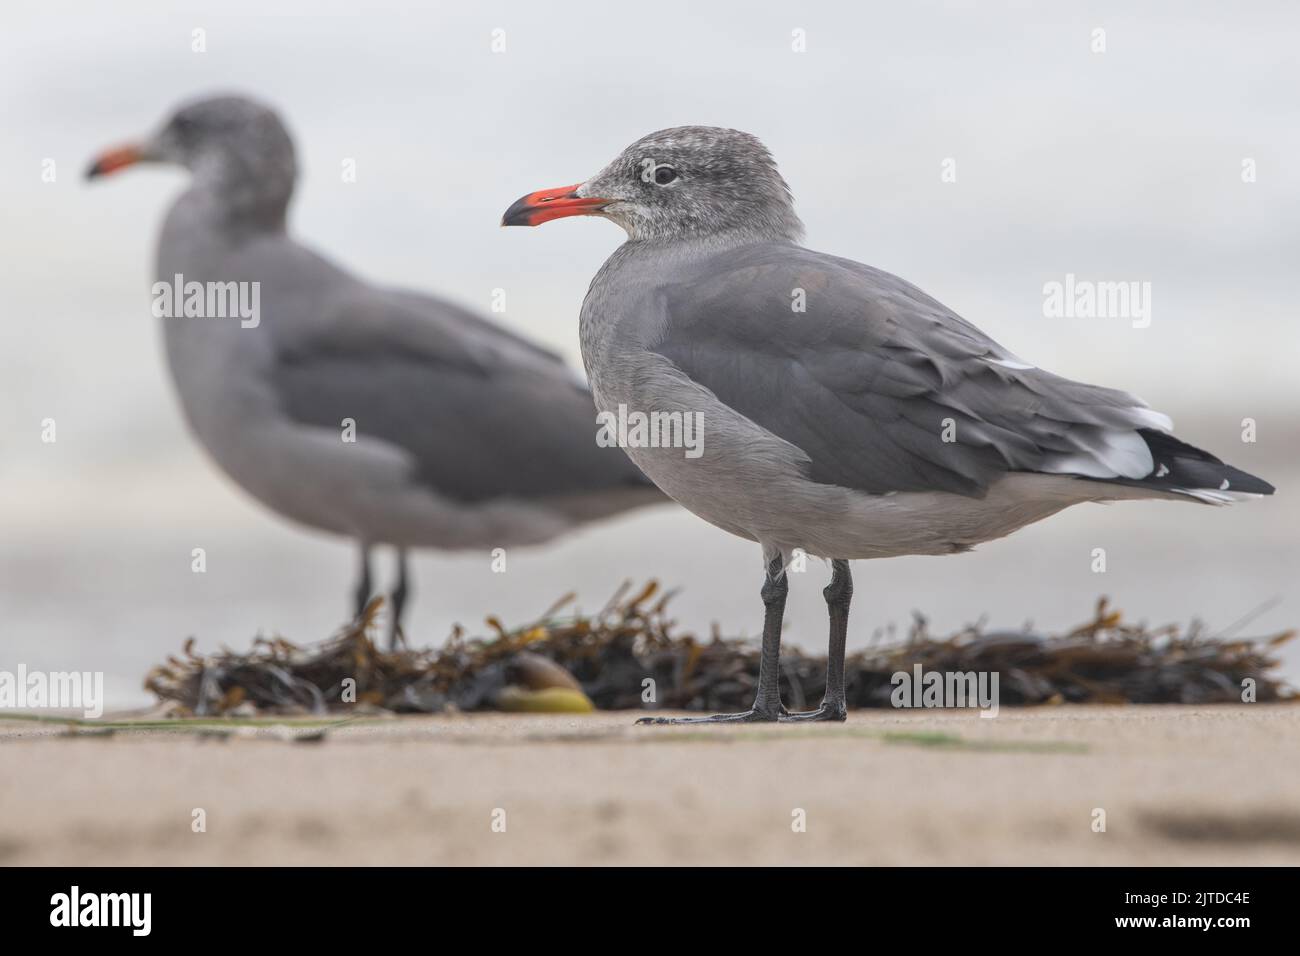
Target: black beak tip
x,y
518,213
93,171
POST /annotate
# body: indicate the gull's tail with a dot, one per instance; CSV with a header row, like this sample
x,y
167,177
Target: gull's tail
x,y
1184,469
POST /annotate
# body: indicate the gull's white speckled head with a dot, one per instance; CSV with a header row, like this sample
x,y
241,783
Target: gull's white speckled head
x,y
680,183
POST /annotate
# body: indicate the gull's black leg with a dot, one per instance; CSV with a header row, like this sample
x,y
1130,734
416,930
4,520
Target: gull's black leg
x,y
767,700
400,594
838,594
363,585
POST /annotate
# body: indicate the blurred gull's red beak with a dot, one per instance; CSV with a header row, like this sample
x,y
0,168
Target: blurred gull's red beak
x,y
113,160
547,204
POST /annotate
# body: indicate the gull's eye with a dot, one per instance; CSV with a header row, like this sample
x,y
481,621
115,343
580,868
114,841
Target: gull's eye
x,y
664,175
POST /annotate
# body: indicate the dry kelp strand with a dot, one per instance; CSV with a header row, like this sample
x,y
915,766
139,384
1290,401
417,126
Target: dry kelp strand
x,y
570,662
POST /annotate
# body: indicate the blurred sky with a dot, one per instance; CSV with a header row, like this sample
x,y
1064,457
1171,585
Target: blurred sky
x,y
1118,166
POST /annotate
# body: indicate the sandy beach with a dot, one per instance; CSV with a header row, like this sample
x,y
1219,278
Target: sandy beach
x,y
1178,785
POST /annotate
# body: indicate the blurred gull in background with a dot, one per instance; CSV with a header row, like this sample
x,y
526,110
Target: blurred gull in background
x,y
388,416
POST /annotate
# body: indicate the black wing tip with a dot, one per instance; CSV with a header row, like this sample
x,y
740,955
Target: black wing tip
x,y
1250,484
1183,466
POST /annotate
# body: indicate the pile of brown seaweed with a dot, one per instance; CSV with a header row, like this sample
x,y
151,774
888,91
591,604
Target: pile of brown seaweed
x,y
570,662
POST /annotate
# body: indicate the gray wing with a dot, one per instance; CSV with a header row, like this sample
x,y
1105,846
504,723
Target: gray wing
x,y
872,377
483,413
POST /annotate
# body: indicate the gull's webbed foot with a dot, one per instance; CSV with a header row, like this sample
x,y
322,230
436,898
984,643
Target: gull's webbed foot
x,y
824,712
750,716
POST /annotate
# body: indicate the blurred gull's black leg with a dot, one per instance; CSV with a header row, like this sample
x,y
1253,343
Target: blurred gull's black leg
x,y
767,699
400,594
363,585
838,594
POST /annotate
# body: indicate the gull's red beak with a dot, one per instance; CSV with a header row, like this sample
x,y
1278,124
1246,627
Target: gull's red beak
x,y
114,160
547,204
